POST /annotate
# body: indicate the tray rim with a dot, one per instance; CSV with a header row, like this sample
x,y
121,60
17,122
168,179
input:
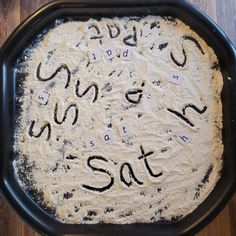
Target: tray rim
x,y
54,6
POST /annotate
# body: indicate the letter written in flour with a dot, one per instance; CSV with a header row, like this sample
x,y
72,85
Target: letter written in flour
x,y
42,129
183,115
129,173
92,86
102,171
61,68
144,157
73,107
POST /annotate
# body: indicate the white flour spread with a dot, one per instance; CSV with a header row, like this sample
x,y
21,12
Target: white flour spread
x,y
133,138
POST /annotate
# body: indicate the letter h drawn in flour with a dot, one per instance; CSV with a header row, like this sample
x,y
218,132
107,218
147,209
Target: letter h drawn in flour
x,y
183,114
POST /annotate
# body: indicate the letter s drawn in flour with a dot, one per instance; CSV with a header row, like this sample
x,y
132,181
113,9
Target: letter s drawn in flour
x,y
53,75
46,126
101,170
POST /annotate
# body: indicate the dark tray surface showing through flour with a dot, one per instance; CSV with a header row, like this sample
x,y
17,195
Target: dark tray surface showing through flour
x,y
29,29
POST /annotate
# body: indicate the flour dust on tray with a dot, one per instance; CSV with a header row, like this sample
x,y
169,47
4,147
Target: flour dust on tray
x,y
119,120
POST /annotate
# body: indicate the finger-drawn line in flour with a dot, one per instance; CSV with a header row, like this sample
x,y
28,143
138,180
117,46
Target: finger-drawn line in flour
x,y
114,31
71,157
80,37
98,36
190,38
155,24
111,73
203,181
130,93
76,112
144,157
101,170
194,108
162,46
91,86
50,54
120,73
58,70
182,116
179,63
46,126
130,173
131,40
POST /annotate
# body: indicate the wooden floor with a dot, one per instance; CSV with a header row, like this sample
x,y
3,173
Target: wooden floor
x,y
12,12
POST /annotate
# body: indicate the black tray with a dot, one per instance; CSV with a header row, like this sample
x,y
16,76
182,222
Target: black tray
x,y
19,39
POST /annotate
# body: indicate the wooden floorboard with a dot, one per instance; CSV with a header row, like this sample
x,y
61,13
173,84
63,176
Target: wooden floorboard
x,y
227,18
12,12
9,17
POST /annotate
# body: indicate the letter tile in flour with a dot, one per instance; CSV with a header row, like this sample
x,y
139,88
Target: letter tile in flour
x,y
124,129
184,138
42,97
126,54
107,137
91,143
94,55
110,52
